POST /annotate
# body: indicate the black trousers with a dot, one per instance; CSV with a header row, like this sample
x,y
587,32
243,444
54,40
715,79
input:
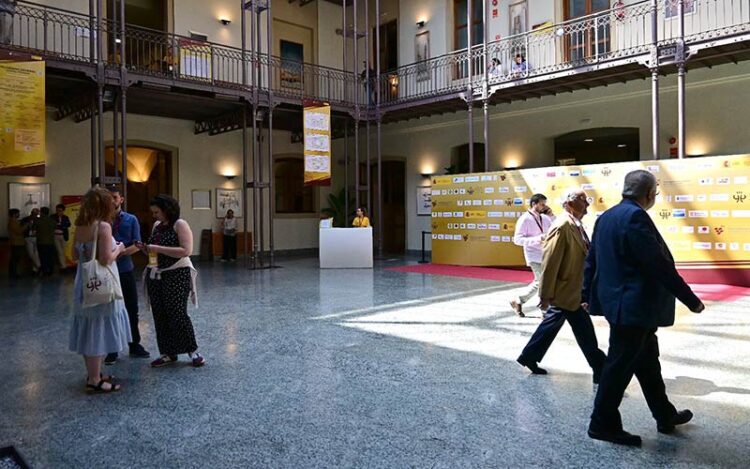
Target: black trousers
x,y
130,295
47,255
632,350
16,254
230,247
583,330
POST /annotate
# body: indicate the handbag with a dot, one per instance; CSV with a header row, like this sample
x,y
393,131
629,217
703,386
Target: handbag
x,y
100,284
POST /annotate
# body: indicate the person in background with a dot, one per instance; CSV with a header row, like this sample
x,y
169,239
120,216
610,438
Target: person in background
x,y
361,220
29,234
520,66
560,287
127,231
97,330
229,228
17,243
631,279
369,85
7,11
531,230
62,233
170,282
496,69
45,239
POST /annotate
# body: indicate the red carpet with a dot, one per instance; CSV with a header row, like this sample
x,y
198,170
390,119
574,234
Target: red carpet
x,y
707,292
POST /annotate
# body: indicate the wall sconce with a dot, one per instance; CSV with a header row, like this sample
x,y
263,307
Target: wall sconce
x,y
229,177
420,24
225,21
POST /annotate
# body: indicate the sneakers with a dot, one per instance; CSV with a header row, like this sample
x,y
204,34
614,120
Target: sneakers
x,y
164,360
518,308
137,350
198,360
110,359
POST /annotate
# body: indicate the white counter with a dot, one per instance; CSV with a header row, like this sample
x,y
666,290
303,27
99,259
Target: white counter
x,y
346,248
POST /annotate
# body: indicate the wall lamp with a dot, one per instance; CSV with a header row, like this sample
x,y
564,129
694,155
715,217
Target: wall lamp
x,y
229,177
225,21
420,24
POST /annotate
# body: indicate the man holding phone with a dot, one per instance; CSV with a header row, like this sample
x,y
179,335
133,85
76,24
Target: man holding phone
x,y
127,230
531,231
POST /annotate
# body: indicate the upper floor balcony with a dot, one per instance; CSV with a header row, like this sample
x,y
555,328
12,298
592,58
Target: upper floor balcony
x,y
618,44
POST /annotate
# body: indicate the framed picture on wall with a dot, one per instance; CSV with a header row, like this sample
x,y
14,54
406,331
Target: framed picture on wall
x,y
201,199
26,197
422,55
424,200
292,56
519,19
228,199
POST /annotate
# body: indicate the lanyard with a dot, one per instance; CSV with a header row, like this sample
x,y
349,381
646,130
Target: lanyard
x,y
538,221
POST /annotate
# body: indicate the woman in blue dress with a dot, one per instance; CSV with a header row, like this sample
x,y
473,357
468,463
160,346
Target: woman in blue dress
x,y
98,330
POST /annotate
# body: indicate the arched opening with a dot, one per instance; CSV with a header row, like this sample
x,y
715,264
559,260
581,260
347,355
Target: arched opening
x,y
600,145
149,173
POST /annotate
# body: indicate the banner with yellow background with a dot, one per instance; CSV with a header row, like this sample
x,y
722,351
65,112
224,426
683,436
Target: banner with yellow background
x,y
317,130
702,210
22,118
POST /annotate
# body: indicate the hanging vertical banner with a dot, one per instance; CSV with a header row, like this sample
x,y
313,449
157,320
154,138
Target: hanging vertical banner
x,y
317,130
22,118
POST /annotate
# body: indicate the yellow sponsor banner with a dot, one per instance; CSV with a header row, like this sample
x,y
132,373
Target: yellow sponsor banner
x,y
22,118
317,129
72,207
702,211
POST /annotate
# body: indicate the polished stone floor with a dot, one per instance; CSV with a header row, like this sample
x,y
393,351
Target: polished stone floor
x,y
310,368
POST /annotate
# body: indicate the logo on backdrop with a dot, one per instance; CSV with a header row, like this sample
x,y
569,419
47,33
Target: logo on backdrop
x,y
739,197
606,171
665,213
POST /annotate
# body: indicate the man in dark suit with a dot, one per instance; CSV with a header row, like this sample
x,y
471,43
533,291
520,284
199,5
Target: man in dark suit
x,y
630,278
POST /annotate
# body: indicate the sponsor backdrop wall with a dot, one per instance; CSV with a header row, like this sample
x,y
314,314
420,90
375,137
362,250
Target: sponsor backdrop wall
x,y
702,209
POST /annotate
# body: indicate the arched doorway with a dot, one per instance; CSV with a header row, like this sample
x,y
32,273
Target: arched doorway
x,y
149,172
600,145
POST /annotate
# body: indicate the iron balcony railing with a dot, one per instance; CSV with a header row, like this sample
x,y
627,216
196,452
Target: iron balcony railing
x,y
622,32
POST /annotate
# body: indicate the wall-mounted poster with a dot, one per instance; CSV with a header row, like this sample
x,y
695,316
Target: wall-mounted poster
x,y
22,118
519,19
201,199
228,199
26,197
424,200
422,55
292,56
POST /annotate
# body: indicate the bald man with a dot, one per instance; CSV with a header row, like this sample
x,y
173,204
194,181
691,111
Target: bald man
x,y
560,285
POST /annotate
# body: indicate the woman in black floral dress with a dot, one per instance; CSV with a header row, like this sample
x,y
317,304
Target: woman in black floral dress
x,y
170,282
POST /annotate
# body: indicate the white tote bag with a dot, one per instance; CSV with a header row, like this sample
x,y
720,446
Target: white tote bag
x,y
100,284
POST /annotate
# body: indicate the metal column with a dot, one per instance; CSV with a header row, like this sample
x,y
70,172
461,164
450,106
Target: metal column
x,y
243,29
368,99
681,80
123,107
102,168
379,219
356,111
92,59
469,92
655,79
344,39
271,195
486,115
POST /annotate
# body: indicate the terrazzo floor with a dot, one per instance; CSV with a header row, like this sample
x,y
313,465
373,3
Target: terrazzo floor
x,y
358,368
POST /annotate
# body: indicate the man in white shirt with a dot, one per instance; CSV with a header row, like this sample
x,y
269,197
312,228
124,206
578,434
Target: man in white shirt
x,y
531,230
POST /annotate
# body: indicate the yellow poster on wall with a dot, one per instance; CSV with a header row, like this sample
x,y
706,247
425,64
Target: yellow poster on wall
x,y
702,210
22,118
317,130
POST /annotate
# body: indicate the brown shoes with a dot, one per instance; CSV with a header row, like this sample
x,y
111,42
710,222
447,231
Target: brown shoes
x,y
518,308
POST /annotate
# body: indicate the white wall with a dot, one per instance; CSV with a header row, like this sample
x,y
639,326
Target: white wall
x,y
437,15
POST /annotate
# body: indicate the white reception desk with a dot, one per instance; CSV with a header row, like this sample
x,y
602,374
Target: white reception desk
x,y
346,248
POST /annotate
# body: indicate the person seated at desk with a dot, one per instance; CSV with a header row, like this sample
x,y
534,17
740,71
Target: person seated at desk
x,y
361,220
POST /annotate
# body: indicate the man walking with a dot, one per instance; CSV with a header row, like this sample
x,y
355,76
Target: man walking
x,y
631,279
531,230
563,257
127,230
62,229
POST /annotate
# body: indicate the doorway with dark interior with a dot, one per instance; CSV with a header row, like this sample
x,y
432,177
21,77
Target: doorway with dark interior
x,y
394,203
149,48
149,173
600,145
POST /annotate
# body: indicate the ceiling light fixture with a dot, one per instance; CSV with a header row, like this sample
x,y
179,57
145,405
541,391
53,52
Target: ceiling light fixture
x,y
621,145
589,140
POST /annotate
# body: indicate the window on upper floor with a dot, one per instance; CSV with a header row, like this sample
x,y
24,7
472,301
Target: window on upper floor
x,y
460,23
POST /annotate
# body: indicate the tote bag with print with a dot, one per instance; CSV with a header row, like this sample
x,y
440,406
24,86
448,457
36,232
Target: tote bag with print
x,y
100,284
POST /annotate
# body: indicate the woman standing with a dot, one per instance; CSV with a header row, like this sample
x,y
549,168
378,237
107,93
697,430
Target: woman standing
x,y
229,227
102,329
170,282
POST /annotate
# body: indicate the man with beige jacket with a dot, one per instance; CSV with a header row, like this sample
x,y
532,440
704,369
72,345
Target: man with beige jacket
x,y
560,285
